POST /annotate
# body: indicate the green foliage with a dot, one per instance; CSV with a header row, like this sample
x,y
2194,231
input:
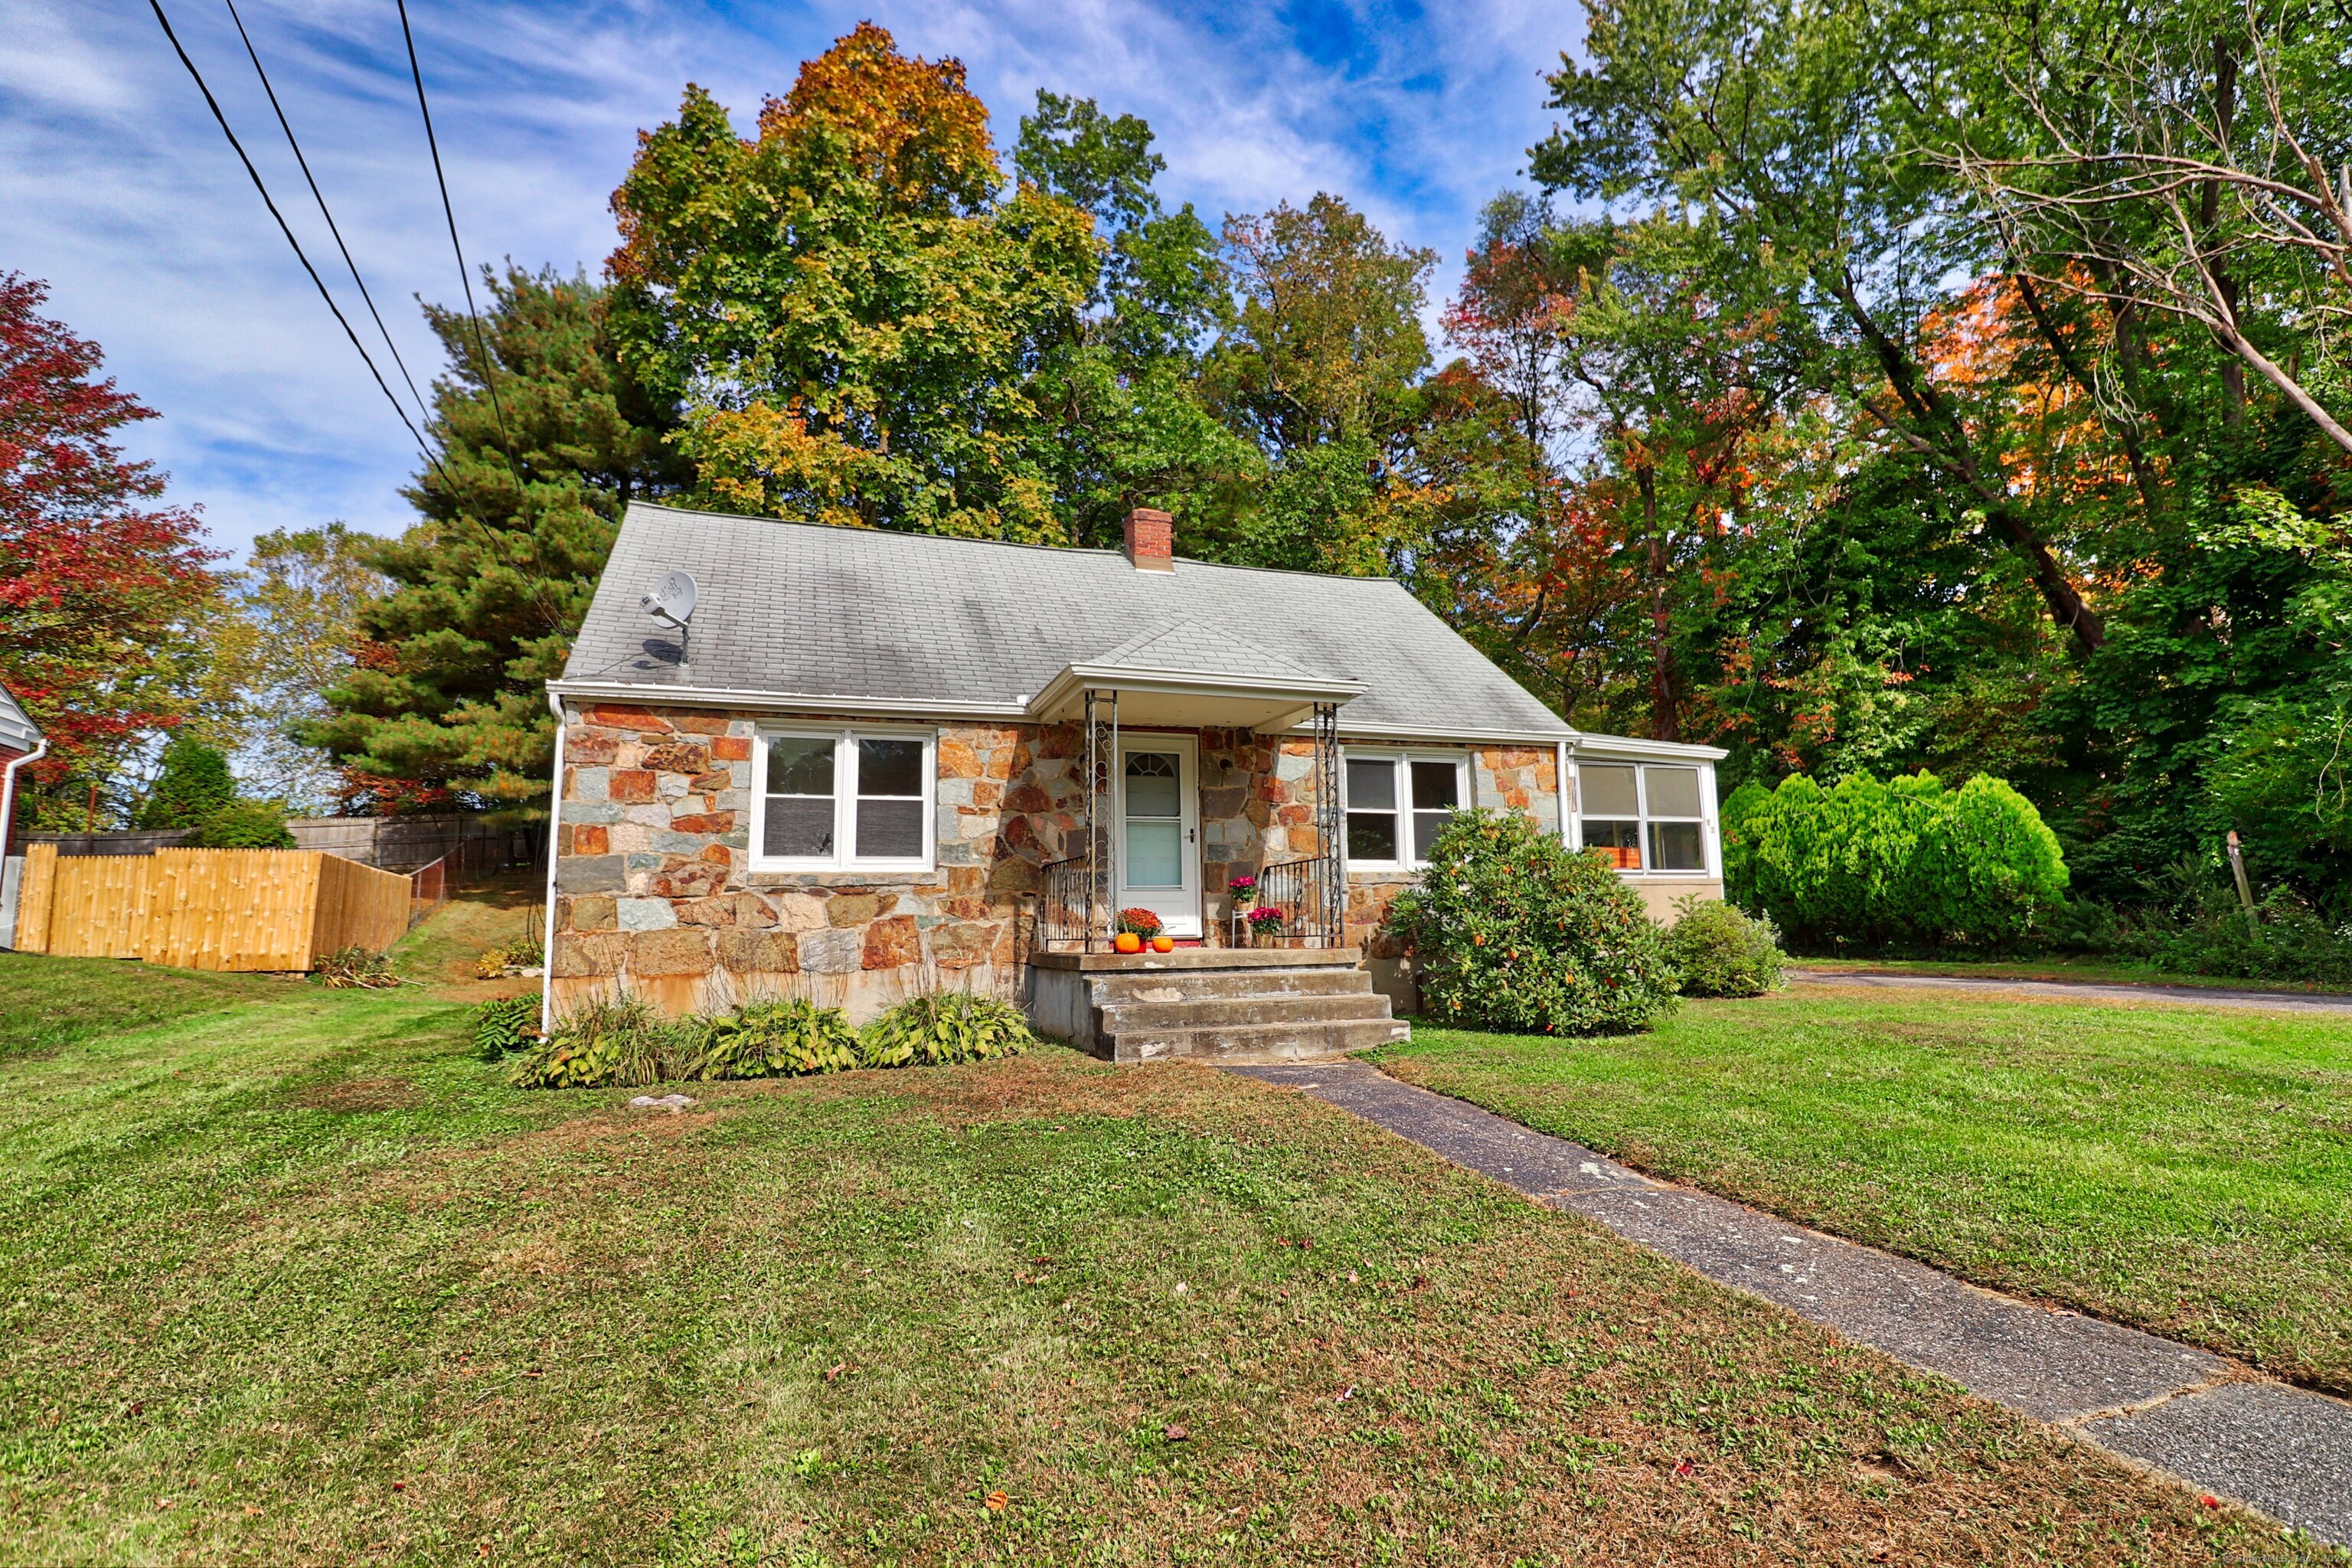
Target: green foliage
x,y
505,1024
194,786
244,824
769,1039
446,690
1907,862
1515,931
1720,950
945,1027
606,1044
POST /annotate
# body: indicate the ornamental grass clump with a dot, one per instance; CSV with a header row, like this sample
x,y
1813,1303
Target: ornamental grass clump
x,y
1719,950
945,1027
770,1039
1513,930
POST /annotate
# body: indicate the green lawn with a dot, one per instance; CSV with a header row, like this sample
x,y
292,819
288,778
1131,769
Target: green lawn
x,y
2097,971
302,1281
2182,1169
47,1003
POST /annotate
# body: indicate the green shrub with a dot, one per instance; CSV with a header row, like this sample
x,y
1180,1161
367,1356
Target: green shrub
x,y
505,1023
945,1027
1720,952
1903,863
604,1044
244,825
770,1039
1515,931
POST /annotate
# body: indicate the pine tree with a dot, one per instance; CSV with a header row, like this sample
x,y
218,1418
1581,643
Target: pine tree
x,y
540,451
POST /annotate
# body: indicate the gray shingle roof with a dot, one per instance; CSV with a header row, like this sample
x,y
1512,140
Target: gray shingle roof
x,y
803,610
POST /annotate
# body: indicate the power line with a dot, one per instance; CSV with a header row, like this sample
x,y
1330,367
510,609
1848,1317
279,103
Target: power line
x,y
422,407
255,175
465,276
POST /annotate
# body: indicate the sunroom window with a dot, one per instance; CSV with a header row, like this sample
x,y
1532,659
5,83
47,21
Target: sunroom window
x,y
843,800
1643,817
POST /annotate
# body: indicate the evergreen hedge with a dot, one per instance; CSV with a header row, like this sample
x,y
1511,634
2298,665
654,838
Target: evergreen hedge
x,y
1903,863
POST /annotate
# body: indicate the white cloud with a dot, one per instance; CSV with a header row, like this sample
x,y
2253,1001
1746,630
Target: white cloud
x,y
121,193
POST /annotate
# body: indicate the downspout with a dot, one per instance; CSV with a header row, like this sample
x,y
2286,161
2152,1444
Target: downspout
x,y
8,791
555,842
1559,777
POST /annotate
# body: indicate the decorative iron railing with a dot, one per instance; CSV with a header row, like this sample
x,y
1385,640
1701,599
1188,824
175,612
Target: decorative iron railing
x,y
1065,908
1308,894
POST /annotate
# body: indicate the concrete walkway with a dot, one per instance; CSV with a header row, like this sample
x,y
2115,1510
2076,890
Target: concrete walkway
x,y
2283,1450
2081,990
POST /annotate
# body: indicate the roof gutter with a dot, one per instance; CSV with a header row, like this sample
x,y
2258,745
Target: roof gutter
x,y
638,695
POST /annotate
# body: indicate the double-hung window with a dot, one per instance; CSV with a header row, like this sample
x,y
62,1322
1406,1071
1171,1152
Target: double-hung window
x,y
1643,817
1398,803
843,800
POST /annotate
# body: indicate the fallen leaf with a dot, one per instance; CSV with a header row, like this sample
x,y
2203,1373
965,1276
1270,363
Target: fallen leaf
x,y
1683,1467
997,1501
837,1370
1175,1432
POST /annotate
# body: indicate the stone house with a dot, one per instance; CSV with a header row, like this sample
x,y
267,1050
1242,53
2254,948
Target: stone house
x,y
874,762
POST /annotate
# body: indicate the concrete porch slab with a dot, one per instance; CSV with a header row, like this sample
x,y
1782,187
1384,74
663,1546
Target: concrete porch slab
x,y
1203,958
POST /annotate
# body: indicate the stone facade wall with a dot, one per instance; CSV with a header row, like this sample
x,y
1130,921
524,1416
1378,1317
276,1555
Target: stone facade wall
x,y
656,894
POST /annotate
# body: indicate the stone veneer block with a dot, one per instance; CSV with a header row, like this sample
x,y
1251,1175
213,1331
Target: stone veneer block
x,y
646,914
833,950
589,874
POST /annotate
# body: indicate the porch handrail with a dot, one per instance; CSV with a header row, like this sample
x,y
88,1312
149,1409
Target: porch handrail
x,y
1305,892
1063,914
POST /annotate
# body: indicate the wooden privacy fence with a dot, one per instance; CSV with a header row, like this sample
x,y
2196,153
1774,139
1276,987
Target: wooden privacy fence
x,y
207,909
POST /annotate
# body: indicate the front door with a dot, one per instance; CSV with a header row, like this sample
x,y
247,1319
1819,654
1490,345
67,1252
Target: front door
x,y
1160,830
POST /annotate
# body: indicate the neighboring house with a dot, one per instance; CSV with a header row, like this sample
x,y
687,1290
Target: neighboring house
x,y
20,742
877,762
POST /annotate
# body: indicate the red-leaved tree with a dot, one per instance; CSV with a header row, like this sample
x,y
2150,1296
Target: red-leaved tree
x,y
102,592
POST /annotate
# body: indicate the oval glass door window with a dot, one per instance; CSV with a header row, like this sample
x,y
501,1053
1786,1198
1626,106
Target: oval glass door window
x,y
1155,820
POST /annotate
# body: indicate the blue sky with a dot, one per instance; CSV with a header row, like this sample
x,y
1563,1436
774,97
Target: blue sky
x,y
118,190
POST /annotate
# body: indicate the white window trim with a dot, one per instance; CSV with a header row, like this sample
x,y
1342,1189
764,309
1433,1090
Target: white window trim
x,y
1709,838
844,798
1464,794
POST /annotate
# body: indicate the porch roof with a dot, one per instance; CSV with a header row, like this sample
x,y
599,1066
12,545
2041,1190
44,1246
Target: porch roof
x,y
796,615
1191,675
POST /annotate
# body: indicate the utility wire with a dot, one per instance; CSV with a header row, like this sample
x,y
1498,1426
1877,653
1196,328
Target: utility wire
x,y
255,175
481,347
315,194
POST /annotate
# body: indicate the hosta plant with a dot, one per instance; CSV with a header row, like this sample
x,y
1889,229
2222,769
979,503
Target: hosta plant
x,y
505,1023
945,1027
770,1039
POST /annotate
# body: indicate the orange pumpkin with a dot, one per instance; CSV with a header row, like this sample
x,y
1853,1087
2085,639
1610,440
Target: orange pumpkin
x,y
1163,945
1128,942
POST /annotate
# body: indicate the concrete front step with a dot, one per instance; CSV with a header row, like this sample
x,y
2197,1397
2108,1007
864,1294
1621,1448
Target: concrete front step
x,y
1252,1043
1210,984
1210,1012
1257,1005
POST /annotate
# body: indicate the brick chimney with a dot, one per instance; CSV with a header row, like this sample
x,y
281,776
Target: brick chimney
x,y
1148,546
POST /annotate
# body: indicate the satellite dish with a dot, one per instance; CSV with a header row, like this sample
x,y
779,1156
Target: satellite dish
x,y
672,600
